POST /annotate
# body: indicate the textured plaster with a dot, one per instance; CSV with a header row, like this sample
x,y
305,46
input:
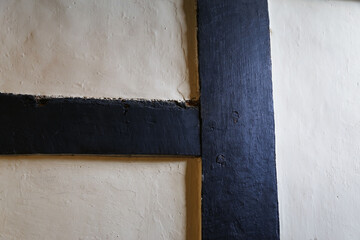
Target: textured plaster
x,y
140,49
99,198
99,49
315,55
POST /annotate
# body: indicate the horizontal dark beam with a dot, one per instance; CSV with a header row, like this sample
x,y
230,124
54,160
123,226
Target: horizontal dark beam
x,y
33,125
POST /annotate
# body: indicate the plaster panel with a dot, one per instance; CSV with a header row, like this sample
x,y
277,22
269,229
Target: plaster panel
x,y
143,49
315,53
99,49
99,198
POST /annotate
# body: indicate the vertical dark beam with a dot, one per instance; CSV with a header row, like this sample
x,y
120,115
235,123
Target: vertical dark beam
x,y
239,192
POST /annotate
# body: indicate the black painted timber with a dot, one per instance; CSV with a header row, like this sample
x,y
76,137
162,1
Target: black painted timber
x,y
239,192
33,125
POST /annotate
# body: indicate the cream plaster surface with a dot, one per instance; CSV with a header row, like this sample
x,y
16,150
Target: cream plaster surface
x,y
99,48
316,77
84,197
140,49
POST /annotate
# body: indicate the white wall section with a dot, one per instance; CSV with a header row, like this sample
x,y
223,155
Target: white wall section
x,y
93,198
99,49
315,54
139,49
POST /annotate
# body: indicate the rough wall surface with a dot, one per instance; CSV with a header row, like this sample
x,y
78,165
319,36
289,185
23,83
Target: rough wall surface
x,y
92,198
315,54
101,49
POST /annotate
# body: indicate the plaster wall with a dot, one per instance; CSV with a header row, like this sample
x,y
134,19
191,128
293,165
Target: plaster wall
x,y
143,49
82,197
315,55
99,49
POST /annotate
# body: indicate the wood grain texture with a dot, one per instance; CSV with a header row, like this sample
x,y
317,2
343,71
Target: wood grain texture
x,y
30,125
239,192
